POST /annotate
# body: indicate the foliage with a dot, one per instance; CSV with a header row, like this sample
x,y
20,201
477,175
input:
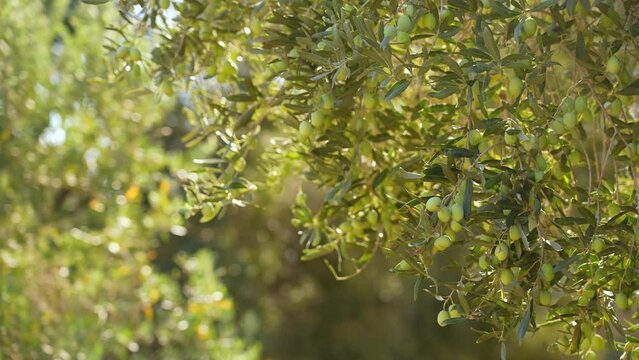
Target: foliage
x,y
489,146
88,194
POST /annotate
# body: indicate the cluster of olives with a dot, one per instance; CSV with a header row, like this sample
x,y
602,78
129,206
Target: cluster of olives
x,y
319,118
400,32
448,216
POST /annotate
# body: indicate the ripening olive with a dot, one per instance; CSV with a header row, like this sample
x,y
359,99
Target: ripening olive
x,y
404,24
514,233
455,226
615,108
483,146
613,65
442,316
590,355
574,157
428,21
621,300
390,31
530,27
568,104
317,118
305,130
474,137
570,120
433,204
581,104
457,211
342,73
515,86
445,15
454,311
598,245
545,297
123,52
403,37
506,276
547,272
443,215
598,343
483,262
410,10
510,139
585,297
584,346
501,252
443,242
135,54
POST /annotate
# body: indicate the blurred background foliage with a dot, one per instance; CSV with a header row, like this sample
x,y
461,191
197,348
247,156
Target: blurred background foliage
x,y
96,262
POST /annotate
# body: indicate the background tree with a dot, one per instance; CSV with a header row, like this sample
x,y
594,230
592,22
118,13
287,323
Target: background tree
x,y
488,146
88,195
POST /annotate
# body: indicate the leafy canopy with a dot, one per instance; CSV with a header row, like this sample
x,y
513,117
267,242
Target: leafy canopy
x,y
490,146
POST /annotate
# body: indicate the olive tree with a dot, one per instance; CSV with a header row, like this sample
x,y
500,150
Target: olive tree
x,y
489,146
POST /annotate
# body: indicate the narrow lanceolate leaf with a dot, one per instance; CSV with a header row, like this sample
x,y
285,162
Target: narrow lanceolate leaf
x,y
489,42
95,2
522,328
630,90
408,175
397,89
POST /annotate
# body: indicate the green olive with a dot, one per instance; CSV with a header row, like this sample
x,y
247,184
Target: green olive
x,y
442,316
305,130
123,52
410,10
621,300
530,27
342,73
317,118
454,311
474,137
515,86
403,37
598,245
615,107
545,298
457,211
433,204
369,101
510,139
404,24
581,104
613,65
483,262
390,31
570,120
547,272
568,104
443,215
501,252
443,242
428,21
506,276
598,343
455,226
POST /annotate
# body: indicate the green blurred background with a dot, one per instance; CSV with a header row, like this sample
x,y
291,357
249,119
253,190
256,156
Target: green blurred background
x,y
96,262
